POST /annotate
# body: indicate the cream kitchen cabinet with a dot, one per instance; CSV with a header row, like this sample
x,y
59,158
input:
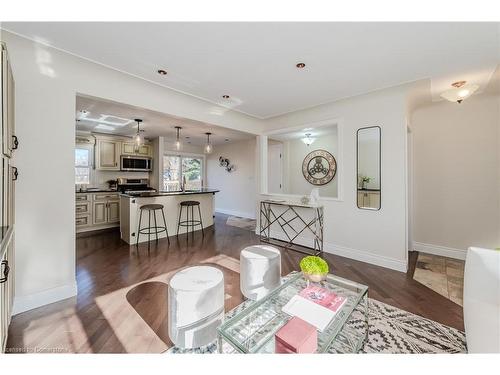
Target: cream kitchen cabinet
x,y
9,140
108,154
128,148
8,174
96,211
6,285
106,209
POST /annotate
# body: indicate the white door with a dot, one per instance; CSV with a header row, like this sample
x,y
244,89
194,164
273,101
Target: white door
x,y
275,169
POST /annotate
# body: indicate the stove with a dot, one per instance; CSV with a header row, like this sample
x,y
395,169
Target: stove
x,y
134,185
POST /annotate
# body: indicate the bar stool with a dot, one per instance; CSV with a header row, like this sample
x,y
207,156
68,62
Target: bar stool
x,y
190,223
149,230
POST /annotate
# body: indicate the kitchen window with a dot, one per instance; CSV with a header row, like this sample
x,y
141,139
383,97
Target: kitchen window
x,y
177,166
82,165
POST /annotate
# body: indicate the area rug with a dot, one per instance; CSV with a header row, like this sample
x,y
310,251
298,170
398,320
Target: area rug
x,y
443,275
241,222
391,331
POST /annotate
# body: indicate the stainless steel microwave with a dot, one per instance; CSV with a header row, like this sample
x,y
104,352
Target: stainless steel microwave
x,y
136,163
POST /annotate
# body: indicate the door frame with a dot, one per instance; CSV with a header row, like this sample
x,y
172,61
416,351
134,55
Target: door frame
x,y
280,146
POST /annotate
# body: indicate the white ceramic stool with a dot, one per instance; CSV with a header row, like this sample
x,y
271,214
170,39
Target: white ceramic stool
x,y
195,306
260,270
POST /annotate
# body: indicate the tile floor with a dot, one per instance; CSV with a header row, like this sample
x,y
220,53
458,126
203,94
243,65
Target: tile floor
x,y
443,275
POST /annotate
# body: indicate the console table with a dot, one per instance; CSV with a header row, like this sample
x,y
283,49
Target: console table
x,y
292,214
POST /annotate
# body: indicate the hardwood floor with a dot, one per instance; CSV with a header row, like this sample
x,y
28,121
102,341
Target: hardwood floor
x,y
121,304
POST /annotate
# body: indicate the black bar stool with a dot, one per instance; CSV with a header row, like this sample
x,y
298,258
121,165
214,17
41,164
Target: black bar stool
x,y
149,230
190,223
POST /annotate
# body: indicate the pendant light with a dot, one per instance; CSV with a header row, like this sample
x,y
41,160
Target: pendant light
x,y
178,143
208,146
461,90
308,140
138,138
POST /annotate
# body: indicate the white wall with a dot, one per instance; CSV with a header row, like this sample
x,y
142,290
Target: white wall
x,y
47,82
294,153
378,237
237,194
456,175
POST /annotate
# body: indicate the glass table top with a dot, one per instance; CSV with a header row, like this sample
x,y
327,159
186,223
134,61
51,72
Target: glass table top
x,y
252,329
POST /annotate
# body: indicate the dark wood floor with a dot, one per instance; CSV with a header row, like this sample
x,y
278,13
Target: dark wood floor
x,y
121,290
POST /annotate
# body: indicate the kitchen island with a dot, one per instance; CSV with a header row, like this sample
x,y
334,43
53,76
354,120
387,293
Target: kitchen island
x,y
131,202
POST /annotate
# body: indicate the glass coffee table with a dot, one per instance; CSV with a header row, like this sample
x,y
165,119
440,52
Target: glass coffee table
x,y
252,327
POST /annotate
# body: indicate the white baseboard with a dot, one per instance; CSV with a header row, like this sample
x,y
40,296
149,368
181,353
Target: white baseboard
x,y
247,215
32,301
356,254
440,250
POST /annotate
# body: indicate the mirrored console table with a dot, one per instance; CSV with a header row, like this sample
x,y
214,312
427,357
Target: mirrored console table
x,y
291,220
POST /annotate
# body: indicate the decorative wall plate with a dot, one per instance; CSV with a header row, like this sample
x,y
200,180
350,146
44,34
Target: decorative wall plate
x,y
319,167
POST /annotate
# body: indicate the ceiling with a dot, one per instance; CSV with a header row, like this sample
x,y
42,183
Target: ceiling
x,y
254,63
103,116
314,132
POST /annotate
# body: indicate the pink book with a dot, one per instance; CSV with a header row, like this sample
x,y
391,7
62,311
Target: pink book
x,y
296,336
323,297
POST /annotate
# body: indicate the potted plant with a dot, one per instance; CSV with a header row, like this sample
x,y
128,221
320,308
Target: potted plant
x,y
314,268
363,180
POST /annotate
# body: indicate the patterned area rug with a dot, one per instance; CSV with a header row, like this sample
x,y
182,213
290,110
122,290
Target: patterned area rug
x,y
391,331
241,222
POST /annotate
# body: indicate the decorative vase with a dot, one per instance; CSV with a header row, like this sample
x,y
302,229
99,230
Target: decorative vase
x,y
315,277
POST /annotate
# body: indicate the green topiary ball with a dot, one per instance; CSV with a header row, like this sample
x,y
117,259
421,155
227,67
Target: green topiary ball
x,y
314,265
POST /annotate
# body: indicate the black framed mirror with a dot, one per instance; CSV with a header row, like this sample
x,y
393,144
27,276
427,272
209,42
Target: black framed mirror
x,y
368,168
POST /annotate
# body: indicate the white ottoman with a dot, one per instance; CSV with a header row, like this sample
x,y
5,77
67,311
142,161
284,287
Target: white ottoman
x,y
195,306
260,271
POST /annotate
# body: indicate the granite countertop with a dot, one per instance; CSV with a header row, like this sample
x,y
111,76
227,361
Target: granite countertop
x,y
97,191
169,193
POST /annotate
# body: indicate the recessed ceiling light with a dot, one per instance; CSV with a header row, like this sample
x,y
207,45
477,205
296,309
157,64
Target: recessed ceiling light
x,y
300,65
162,72
225,96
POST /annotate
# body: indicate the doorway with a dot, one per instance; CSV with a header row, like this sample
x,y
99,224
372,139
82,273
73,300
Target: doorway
x,y
275,168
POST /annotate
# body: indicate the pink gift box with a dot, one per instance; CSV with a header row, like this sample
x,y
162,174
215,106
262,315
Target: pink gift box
x,y
296,336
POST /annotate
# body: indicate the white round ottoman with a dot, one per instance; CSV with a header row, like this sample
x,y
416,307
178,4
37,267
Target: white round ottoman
x,y
260,270
195,306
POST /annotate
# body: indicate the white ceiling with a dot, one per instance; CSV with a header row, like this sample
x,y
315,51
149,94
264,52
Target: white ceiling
x,y
254,63
316,132
154,123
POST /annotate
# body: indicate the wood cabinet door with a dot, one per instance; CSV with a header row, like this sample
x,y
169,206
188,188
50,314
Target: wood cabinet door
x,y
99,213
128,148
144,150
109,155
113,211
5,104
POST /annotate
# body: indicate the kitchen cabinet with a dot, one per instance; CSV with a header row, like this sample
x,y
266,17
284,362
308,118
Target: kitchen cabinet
x,y
96,211
108,155
128,148
9,140
8,175
6,284
99,213
113,212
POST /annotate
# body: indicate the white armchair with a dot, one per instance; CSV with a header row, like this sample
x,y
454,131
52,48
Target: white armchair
x,y
482,300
